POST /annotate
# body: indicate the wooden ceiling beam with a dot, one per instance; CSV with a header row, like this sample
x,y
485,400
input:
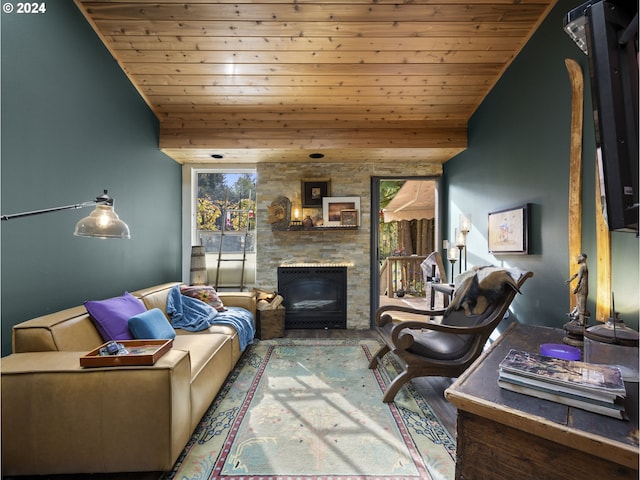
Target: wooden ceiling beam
x,y
429,160
306,138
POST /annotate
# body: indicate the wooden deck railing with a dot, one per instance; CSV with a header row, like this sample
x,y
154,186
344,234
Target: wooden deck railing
x,y
402,273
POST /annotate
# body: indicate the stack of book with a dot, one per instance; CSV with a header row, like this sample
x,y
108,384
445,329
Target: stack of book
x,y
596,388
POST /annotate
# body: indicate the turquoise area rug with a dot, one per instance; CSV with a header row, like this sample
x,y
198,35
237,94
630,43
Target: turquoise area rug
x,y
312,410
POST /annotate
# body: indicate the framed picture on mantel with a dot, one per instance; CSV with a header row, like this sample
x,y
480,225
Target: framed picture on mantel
x,y
332,208
314,190
349,217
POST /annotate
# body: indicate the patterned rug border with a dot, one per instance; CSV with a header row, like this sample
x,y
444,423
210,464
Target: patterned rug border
x,y
427,423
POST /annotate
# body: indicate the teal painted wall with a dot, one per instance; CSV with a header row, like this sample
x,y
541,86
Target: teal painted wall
x,y
519,153
73,125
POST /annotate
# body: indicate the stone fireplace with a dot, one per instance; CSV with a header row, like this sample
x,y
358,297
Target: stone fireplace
x,y
352,247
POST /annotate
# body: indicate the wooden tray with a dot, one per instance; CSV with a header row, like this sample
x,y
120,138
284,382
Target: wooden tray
x,y
142,352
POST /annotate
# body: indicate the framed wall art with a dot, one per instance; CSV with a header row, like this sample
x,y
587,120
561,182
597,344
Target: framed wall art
x,y
509,230
349,217
314,190
332,208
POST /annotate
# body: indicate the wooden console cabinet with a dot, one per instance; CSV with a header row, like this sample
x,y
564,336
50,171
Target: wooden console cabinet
x,y
507,435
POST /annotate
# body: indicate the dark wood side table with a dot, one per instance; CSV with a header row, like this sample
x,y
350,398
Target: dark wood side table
x,y
507,435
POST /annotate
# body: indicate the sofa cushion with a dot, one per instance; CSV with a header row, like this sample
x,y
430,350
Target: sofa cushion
x,y
155,297
206,351
205,293
111,316
151,324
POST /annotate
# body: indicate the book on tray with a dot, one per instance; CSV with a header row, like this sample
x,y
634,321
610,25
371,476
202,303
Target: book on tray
x,y
596,388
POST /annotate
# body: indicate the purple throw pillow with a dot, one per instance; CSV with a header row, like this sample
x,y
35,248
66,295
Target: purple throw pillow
x,y
111,316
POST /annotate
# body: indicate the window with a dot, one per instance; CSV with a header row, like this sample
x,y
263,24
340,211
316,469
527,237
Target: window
x,y
225,211
221,217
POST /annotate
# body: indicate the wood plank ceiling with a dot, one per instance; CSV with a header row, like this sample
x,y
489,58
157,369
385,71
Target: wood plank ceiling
x,y
278,80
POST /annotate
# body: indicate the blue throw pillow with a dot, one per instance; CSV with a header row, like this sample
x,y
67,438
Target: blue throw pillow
x,y
151,325
110,316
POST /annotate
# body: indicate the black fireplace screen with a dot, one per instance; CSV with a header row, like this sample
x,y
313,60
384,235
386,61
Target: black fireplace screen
x,y
314,297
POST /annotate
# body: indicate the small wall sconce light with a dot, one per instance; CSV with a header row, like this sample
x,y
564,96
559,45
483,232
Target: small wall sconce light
x,y
103,222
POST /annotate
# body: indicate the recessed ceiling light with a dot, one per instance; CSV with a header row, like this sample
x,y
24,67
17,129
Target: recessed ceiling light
x,y
316,155
217,156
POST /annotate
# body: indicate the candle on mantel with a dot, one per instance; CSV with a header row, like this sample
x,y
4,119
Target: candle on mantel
x,y
452,254
296,214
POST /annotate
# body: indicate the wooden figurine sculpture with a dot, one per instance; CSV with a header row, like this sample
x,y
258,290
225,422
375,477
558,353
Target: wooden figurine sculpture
x,y
576,325
581,291
280,213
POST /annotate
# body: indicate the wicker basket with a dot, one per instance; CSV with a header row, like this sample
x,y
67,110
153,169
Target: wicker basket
x,y
270,323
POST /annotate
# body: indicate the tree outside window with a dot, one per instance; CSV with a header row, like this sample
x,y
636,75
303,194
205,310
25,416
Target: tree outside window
x,y
226,211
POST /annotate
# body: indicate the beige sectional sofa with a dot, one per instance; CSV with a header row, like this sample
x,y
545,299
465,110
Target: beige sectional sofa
x,y
58,417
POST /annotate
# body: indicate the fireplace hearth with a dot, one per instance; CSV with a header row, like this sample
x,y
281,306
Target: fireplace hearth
x,y
315,296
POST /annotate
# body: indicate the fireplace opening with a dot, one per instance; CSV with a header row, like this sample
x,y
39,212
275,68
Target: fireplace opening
x,y
314,297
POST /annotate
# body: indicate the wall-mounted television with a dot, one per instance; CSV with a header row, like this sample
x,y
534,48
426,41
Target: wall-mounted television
x,y
607,31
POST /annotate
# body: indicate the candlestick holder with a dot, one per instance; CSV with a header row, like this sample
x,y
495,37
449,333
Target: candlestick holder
x,y
465,228
452,256
461,244
295,225
453,261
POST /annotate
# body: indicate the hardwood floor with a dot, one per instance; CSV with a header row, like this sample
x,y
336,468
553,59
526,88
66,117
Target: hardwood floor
x,y
431,388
